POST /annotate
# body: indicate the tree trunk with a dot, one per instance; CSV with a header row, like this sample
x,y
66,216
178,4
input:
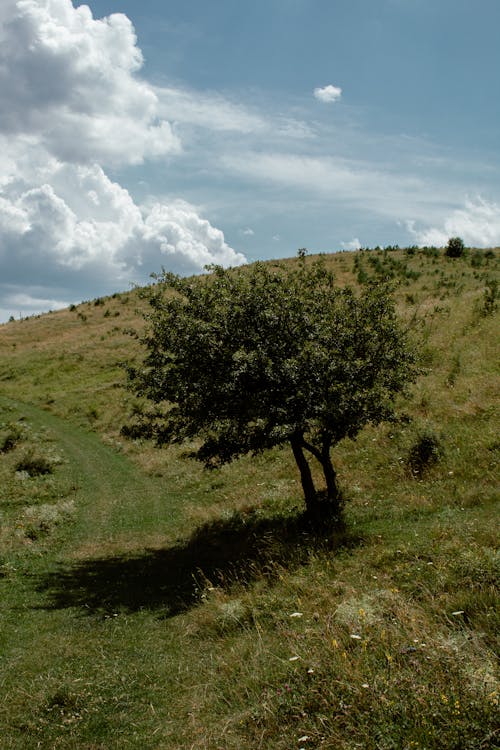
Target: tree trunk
x,y
310,494
320,506
332,489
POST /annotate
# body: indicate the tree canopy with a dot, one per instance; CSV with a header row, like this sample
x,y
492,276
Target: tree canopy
x,y
246,359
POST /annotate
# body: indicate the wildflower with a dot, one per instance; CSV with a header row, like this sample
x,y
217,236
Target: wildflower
x,y
296,614
355,636
294,658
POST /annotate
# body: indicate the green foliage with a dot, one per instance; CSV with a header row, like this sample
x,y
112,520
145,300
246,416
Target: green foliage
x,y
455,247
250,359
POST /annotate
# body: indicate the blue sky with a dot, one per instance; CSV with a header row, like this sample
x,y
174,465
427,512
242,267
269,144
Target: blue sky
x,y
179,134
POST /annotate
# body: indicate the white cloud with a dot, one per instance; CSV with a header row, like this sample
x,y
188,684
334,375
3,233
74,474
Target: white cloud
x,y
27,303
72,103
207,110
328,94
247,232
82,220
477,223
71,80
354,244
344,180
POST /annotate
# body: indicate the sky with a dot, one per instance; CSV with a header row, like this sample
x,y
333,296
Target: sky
x,y
141,134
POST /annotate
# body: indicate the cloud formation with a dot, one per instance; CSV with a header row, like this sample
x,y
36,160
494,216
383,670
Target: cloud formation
x,y
328,94
72,105
477,223
70,81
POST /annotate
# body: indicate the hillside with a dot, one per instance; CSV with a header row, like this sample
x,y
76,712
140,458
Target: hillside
x,y
147,603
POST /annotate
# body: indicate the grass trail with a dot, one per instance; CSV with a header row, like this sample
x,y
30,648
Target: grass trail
x,y
112,491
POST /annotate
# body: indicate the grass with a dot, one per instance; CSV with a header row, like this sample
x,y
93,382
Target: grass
x,y
146,603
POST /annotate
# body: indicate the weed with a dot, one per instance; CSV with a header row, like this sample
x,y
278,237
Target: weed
x,y
39,520
454,372
490,297
10,437
34,463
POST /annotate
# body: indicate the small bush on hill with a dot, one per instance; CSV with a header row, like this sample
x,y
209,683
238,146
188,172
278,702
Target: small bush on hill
x,y
455,247
425,452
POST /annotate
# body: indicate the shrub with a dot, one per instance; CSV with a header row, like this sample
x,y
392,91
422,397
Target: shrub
x,y
455,247
425,452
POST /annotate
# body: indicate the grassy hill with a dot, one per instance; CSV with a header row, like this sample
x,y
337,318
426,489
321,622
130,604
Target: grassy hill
x,y
146,603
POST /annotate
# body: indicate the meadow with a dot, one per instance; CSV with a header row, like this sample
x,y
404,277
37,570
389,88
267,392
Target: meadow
x,y
148,603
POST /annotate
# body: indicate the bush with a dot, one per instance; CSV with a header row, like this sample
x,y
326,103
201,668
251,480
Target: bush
x,y
425,452
455,247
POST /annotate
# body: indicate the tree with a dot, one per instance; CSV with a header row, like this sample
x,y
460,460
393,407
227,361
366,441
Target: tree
x,y
265,355
455,247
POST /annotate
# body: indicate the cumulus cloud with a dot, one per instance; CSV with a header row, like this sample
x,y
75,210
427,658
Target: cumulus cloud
x,y
328,94
72,104
71,81
477,223
82,222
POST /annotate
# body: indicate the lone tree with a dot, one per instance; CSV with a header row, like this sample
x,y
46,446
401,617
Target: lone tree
x,y
262,356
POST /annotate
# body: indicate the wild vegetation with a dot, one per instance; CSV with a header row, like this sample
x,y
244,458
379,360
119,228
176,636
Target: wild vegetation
x,y
148,603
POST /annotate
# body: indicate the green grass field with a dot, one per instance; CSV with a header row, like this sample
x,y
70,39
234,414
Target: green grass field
x,y
146,603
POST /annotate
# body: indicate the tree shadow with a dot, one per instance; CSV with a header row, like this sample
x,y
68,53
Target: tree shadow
x,y
220,553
